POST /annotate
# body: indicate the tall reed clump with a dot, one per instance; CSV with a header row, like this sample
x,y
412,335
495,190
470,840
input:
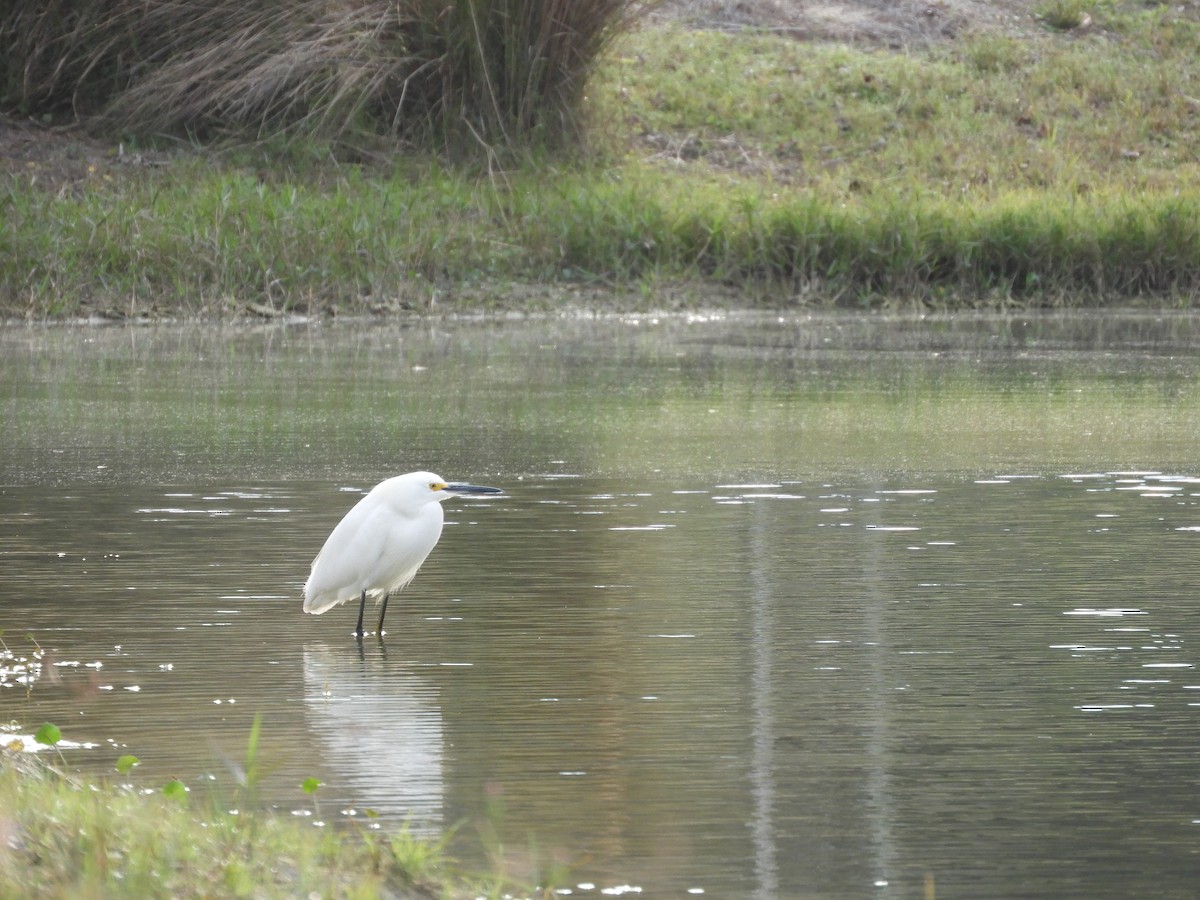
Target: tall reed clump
x,y
501,72
58,56
511,70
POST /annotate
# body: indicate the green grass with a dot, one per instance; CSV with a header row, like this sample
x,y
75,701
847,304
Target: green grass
x,y
1064,14
975,120
1057,169
66,836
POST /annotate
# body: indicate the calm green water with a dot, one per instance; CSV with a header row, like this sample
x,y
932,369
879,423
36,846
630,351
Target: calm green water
x,y
775,608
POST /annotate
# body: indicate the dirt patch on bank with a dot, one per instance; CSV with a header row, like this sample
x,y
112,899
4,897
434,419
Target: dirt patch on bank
x,y
892,23
64,155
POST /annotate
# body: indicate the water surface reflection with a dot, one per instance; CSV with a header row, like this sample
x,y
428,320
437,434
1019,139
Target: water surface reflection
x,y
695,666
381,726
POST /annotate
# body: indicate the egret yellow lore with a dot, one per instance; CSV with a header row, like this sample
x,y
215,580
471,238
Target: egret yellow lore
x,y
380,544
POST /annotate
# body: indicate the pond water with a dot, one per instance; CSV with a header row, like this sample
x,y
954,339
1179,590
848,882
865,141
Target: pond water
x,y
771,607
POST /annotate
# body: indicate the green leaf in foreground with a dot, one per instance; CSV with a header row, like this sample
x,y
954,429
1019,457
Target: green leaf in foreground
x,y
126,763
176,790
49,734
310,785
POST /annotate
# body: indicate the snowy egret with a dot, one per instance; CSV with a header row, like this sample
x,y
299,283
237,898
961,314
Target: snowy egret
x,y
378,547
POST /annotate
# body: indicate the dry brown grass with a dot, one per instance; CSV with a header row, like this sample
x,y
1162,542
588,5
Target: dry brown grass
x,y
508,72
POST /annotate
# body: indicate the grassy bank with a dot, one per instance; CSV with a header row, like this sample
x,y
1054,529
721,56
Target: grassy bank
x,y
68,840
1058,168
66,836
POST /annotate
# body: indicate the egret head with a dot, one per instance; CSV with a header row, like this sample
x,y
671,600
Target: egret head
x,y
425,487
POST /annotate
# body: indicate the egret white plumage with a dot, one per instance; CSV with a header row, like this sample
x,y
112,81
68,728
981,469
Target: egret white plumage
x,y
380,544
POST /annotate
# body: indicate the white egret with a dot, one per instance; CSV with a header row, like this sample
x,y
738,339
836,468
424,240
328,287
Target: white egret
x,y
380,544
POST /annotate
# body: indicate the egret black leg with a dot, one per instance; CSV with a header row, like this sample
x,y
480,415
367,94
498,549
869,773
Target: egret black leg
x,y
362,603
382,613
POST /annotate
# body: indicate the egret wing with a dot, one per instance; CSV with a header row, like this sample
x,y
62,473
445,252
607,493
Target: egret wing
x,y
354,550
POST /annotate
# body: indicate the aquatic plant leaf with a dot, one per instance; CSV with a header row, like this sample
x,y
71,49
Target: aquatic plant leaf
x,y
49,734
127,762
